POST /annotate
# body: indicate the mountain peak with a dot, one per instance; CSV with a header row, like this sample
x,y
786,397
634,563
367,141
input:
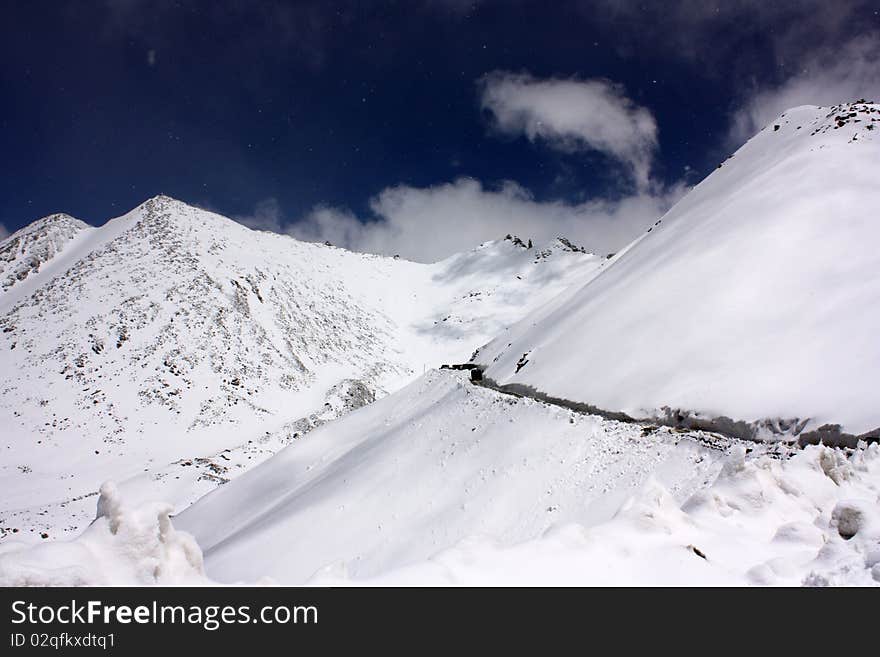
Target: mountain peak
x,y
750,303
517,241
163,215
163,202
23,253
854,118
51,222
568,245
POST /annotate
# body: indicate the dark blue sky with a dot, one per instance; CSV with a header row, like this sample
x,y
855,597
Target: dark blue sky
x,y
226,103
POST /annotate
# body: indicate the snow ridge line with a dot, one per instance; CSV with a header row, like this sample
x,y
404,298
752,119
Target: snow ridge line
x,y
830,435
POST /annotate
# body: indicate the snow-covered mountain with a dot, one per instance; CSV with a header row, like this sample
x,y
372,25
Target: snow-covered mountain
x,y
751,307
752,298
33,248
186,349
172,348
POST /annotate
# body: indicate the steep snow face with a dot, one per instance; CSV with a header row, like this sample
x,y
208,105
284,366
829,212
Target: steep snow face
x,y
755,297
24,253
172,349
423,469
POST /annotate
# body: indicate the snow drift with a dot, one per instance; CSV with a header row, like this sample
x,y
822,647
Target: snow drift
x,y
122,547
752,306
812,520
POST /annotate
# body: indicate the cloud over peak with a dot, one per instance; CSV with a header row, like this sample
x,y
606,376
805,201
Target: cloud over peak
x,y
427,224
834,75
573,115
430,223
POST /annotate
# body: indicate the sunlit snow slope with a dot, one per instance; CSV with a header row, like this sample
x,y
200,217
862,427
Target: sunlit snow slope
x,y
810,520
172,348
754,299
427,467
445,483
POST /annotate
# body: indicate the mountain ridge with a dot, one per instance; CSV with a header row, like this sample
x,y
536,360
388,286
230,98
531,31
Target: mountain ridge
x,y
746,308
148,346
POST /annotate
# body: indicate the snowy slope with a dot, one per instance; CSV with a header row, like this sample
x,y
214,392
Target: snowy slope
x,y
172,349
447,483
754,299
811,520
421,470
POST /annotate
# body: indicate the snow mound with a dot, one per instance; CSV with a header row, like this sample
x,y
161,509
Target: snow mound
x,y
751,307
122,547
762,522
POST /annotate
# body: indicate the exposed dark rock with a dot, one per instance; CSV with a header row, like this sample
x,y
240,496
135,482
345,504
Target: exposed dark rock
x,y
697,551
831,435
786,430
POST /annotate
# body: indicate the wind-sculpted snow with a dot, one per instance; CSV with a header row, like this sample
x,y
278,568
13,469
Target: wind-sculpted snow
x,y
172,349
751,307
811,520
123,546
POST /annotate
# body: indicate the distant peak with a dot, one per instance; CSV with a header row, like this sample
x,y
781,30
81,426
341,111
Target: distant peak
x,y
814,120
23,253
55,222
170,210
516,241
56,218
568,245
163,200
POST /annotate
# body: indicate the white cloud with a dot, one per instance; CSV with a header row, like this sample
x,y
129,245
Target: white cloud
x,y
4,232
431,223
573,114
428,224
844,74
